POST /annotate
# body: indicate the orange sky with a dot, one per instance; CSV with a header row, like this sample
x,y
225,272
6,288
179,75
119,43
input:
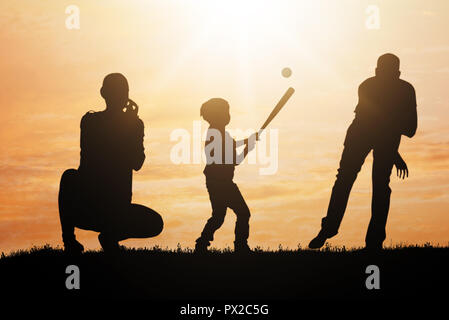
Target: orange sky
x,y
178,54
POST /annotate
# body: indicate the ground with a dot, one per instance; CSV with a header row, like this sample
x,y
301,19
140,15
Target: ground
x,y
181,276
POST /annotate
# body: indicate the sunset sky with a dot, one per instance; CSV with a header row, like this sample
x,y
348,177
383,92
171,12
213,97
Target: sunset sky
x,y
178,54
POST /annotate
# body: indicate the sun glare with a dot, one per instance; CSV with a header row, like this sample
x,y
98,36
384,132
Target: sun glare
x,y
234,25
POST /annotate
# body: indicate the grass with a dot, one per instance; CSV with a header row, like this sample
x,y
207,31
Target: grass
x,y
180,275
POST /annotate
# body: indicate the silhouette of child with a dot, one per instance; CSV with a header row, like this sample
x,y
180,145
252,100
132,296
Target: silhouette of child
x,y
221,155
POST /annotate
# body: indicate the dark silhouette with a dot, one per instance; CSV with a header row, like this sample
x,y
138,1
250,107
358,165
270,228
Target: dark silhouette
x,y
97,196
385,111
222,158
177,276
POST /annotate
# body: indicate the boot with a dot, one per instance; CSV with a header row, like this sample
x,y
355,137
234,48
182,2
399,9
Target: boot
x,y
201,246
241,248
318,241
71,245
108,244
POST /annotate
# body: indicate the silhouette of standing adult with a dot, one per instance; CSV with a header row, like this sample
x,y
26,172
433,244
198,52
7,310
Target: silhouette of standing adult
x,y
97,196
385,111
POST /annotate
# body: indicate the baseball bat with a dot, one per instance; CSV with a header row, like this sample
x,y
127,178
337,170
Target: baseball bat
x,y
277,108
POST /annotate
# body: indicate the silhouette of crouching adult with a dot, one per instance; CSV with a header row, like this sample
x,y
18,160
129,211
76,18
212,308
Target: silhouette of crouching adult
x,y
98,195
115,223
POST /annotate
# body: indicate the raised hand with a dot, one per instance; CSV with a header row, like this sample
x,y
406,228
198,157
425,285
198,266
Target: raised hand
x,y
131,106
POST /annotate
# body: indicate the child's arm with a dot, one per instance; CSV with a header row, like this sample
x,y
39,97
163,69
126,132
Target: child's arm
x,y
239,143
401,166
249,143
252,137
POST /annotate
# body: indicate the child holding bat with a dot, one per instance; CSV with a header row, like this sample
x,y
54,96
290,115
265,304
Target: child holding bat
x,y
221,155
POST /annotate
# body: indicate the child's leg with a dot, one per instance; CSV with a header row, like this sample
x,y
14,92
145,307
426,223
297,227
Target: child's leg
x,y
238,204
218,199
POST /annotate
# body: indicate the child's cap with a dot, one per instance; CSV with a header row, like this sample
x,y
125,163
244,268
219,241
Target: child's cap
x,y
214,108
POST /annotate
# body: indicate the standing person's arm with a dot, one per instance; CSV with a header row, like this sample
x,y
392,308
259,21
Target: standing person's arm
x,y
411,114
364,104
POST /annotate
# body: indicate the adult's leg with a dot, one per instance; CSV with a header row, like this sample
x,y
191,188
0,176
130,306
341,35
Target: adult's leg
x,y
76,211
238,204
356,147
218,200
69,204
137,222
125,221
384,154
354,153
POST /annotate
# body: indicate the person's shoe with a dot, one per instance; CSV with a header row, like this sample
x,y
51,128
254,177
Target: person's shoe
x,y
318,241
201,247
242,248
373,248
73,247
109,245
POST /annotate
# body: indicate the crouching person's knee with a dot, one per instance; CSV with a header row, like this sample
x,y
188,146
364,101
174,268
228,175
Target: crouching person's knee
x,y
157,224
69,186
69,178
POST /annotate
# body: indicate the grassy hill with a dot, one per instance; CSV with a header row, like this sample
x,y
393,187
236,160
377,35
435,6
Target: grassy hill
x,y
180,275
